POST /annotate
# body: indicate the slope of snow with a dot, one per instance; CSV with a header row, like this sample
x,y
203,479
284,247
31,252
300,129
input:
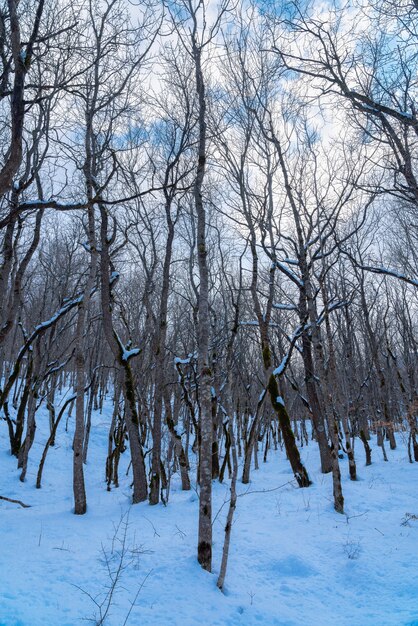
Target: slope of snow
x,y
293,560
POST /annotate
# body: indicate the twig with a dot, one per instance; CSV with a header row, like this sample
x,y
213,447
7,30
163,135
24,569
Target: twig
x,y
156,534
136,597
246,493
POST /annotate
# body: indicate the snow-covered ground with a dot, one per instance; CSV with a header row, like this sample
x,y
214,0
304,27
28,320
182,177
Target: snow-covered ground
x,y
293,560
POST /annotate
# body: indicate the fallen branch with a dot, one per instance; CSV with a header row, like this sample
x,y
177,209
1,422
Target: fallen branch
x,y
25,506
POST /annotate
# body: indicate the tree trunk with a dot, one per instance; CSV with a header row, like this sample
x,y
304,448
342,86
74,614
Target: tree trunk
x,y
204,548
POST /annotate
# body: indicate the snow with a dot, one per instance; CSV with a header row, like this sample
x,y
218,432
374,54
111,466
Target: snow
x,y
284,307
128,354
293,560
367,107
289,273
396,274
390,272
64,309
127,351
113,277
179,361
406,114
280,369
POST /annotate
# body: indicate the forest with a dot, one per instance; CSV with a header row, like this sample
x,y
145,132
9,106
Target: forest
x,y
209,281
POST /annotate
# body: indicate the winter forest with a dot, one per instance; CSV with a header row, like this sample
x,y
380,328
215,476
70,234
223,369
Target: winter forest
x,y
209,312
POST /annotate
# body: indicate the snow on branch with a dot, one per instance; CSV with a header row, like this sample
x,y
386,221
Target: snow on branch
x,y
62,311
27,346
127,353
179,361
289,273
389,272
327,310
279,371
281,306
